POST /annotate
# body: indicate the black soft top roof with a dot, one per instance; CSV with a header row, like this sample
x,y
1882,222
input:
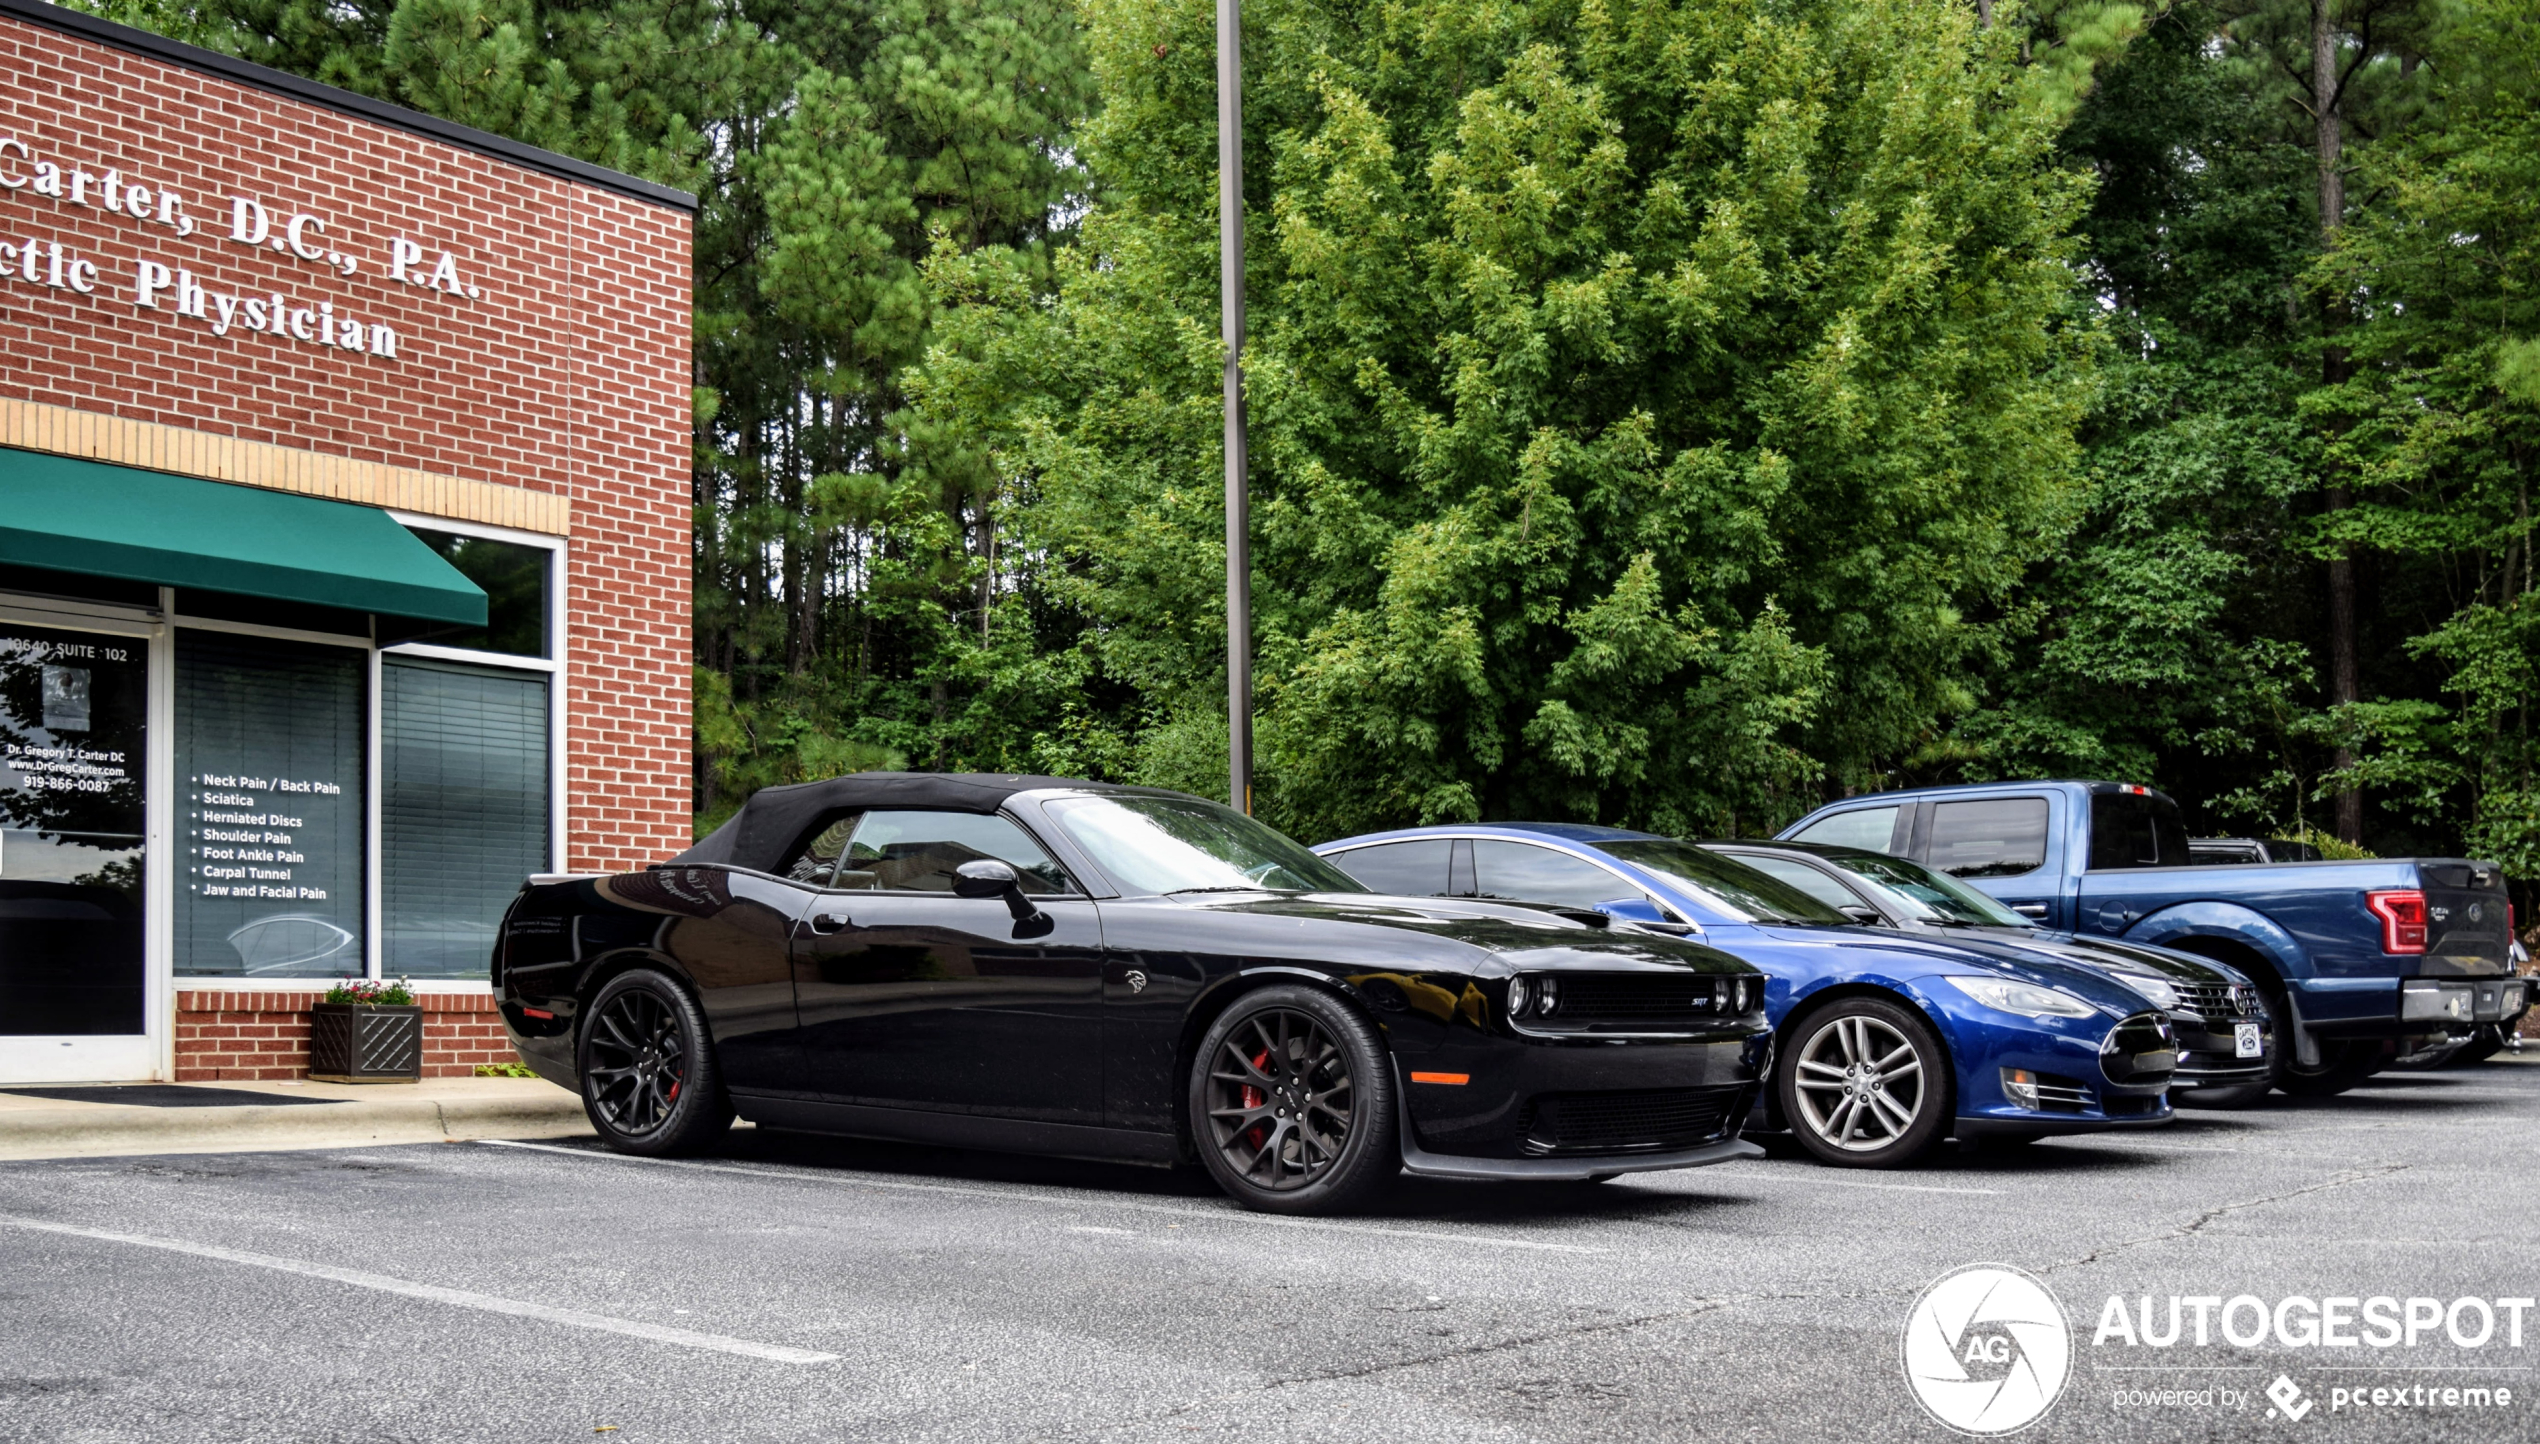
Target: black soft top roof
x,y
775,818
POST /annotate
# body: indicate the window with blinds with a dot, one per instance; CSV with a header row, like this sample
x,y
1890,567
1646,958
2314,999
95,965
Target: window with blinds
x,y
269,753
462,809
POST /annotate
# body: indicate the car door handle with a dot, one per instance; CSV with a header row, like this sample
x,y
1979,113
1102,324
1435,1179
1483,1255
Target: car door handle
x,y
827,923
2030,910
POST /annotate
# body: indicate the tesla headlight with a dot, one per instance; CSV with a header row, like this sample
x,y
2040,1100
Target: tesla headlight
x,y
2003,995
2163,996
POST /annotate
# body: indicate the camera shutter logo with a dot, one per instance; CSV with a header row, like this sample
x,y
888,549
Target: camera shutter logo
x,y
1987,1349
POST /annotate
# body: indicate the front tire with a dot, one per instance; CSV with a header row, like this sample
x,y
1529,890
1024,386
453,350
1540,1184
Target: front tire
x,y
1292,1104
2344,1062
1866,1084
649,1079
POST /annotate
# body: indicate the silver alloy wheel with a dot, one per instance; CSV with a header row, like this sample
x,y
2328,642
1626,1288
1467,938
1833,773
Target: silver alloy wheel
x,y
1859,1083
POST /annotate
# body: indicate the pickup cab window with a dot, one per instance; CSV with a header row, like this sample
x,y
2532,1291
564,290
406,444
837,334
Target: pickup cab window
x,y
1871,829
2131,829
1988,837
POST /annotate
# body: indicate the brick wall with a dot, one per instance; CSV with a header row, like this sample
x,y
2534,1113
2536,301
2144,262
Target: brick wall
x,y
241,1035
559,364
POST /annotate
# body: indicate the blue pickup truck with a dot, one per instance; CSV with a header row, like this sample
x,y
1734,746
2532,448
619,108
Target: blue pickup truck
x,y
2360,961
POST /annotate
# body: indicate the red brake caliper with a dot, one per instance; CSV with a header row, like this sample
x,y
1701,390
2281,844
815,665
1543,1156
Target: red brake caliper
x,y
1254,1098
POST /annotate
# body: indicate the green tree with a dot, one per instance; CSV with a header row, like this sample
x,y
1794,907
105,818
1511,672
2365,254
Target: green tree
x,y
1645,398
2171,635
2438,424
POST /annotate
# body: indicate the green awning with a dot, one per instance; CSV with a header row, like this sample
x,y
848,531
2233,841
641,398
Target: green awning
x,y
99,520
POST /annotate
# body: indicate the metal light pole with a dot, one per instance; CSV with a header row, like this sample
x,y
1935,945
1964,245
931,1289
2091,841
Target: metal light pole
x,y
1230,291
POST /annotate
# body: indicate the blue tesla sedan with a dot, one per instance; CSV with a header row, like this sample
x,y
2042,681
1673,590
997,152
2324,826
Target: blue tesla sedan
x,y
1886,1042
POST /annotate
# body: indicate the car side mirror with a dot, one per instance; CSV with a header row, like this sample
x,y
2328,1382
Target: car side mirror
x,y
987,877
1866,916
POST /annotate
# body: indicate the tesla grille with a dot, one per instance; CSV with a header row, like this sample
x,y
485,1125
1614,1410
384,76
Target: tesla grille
x,y
1649,1118
2208,1000
1622,1001
2140,1051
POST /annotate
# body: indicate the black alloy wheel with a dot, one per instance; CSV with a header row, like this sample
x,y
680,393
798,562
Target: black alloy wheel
x,y
1292,1103
1865,1083
649,1081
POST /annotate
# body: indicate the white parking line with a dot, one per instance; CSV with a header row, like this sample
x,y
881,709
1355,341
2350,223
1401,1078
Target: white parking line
x,y
460,1298
1016,1195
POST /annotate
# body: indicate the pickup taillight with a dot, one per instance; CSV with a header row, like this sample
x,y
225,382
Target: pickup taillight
x,y
2402,917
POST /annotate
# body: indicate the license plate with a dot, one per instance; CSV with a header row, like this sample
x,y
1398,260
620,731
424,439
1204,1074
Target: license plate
x,y
2245,1042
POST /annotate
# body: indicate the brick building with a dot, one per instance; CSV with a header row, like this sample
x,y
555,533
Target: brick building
x,y
344,549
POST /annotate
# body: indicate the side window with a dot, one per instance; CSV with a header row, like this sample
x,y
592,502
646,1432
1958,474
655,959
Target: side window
x,y
1801,876
1868,828
919,851
1993,837
1523,872
1404,869
819,857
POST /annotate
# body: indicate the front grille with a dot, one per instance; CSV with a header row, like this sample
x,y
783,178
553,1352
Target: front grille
x,y
1622,1002
2142,1051
1645,1119
2209,1000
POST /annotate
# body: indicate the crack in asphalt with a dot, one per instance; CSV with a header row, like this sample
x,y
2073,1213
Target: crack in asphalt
x,y
2215,1214
1605,1326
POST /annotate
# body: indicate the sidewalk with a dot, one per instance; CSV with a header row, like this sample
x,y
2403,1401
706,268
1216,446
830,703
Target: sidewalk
x,y
234,1118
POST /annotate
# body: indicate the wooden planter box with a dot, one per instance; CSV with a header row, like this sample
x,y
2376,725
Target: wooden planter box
x,y
365,1043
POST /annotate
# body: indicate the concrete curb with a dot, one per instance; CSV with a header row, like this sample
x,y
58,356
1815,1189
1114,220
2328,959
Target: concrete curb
x,y
88,1131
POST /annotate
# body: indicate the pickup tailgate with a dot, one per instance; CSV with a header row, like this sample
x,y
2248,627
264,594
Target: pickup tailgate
x,y
2467,931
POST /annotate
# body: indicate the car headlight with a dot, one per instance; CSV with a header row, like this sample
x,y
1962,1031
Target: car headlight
x,y
2163,996
2003,995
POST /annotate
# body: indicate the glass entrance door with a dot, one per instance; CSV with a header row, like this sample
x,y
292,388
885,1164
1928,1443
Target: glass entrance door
x,y
74,970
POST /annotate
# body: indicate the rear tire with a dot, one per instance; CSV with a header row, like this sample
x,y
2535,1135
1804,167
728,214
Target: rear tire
x,y
1878,1086
646,1062
1292,1104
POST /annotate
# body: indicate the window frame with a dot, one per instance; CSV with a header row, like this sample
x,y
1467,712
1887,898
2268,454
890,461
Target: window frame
x,y
552,666
1670,911
1900,828
1814,867
1446,873
1928,823
1077,890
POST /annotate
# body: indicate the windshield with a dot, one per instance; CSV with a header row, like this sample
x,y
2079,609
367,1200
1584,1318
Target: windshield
x,y
1731,886
1181,844
1927,896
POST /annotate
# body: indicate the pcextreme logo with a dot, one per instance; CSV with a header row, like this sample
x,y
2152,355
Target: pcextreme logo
x,y
1987,1349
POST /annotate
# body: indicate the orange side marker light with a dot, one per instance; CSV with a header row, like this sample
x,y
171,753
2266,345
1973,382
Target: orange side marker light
x,y
1458,1079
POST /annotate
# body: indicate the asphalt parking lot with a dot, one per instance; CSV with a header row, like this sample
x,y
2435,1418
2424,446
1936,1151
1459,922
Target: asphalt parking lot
x,y
800,1289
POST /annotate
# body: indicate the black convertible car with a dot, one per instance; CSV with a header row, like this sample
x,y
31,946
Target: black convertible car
x,y
1050,966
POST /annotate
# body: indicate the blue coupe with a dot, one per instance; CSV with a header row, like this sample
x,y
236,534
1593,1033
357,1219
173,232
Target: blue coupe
x,y
1887,1043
